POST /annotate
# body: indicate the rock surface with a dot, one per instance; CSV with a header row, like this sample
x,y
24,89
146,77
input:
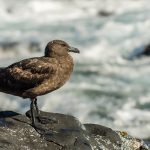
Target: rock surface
x,y
63,132
104,13
147,50
142,51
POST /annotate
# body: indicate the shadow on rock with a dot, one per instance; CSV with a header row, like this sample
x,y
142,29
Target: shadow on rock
x,y
62,132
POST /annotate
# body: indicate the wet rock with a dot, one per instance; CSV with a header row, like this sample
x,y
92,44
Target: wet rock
x,y
147,141
63,132
5,46
147,50
140,52
34,46
104,13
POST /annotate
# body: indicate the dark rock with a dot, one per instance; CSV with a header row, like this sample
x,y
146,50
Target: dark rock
x,y
34,46
104,13
8,45
147,141
147,50
140,52
63,133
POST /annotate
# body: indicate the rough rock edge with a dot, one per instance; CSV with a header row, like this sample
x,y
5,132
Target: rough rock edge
x,y
64,132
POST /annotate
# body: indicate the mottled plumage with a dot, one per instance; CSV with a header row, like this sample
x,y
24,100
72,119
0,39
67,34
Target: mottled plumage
x,y
37,76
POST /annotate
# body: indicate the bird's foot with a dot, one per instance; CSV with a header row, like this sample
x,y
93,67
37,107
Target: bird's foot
x,y
46,120
44,132
39,128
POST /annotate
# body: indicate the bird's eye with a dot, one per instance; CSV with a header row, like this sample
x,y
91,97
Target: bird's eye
x,y
63,45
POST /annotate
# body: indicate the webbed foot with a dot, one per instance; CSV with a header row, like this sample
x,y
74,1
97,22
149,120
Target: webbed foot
x,y
46,120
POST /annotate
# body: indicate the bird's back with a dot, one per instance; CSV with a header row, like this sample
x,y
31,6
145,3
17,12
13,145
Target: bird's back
x,y
8,85
21,76
35,76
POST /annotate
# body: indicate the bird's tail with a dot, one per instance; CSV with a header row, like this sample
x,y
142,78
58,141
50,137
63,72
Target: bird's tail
x,y
2,78
2,74
2,70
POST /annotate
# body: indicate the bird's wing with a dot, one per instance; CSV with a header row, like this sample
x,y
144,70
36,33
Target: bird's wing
x,y
30,71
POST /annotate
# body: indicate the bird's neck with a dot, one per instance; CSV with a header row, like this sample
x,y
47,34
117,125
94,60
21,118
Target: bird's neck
x,y
66,62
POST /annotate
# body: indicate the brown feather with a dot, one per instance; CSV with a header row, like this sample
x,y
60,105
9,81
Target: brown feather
x,y
37,76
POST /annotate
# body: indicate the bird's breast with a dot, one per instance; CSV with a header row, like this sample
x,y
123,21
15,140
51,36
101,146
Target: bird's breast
x,y
64,70
62,74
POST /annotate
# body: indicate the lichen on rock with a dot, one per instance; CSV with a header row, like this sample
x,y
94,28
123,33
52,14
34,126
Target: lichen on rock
x,y
64,132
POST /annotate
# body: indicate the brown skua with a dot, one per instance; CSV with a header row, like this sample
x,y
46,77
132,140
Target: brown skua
x,y
37,76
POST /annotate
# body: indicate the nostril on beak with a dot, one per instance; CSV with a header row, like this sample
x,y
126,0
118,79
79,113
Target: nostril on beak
x,y
73,49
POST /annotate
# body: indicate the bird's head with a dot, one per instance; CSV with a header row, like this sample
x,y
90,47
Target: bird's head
x,y
58,48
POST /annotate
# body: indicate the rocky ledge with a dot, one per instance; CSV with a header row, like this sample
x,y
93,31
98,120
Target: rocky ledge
x,y
62,132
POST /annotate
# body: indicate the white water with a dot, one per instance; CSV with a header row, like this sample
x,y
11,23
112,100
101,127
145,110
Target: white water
x,y
106,87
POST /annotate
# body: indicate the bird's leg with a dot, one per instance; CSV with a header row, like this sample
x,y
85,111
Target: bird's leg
x,y
42,119
39,117
32,111
37,126
36,107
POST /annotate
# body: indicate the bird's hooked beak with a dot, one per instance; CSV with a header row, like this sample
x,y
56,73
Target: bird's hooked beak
x,y
73,49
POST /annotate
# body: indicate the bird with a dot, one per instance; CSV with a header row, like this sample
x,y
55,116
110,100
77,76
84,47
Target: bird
x,y
37,76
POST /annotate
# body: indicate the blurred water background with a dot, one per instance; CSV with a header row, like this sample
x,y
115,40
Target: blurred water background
x,y
107,86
